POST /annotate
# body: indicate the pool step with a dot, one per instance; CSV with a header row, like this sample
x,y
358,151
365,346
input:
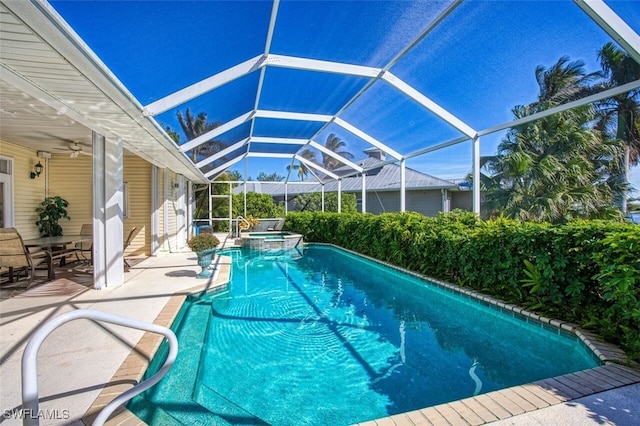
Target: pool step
x,y
224,409
151,413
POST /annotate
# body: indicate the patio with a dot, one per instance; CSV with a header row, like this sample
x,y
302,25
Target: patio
x,y
69,380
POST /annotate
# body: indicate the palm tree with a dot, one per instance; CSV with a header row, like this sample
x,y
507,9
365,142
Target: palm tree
x,y
334,144
555,168
197,126
562,82
621,113
302,168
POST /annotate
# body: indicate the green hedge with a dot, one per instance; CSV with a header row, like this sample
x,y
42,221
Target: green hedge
x,y
587,272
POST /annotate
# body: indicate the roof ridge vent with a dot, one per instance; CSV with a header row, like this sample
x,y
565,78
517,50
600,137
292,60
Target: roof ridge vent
x,y
376,153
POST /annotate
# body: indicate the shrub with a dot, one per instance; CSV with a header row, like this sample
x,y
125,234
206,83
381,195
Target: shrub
x,y
202,242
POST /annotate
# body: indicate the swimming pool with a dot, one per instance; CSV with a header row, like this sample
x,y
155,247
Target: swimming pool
x,y
330,338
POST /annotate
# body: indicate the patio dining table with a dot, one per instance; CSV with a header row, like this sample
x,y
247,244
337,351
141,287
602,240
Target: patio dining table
x,y
52,246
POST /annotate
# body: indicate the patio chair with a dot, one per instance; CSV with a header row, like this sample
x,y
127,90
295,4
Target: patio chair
x,y
85,246
14,256
127,243
277,227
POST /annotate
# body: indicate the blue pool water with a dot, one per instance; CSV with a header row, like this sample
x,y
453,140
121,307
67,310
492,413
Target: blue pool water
x,y
330,338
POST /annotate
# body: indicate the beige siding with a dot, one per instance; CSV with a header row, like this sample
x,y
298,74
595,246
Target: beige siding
x,y
72,179
27,193
137,175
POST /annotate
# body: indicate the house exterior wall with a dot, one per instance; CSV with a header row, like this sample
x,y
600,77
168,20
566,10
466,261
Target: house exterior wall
x,y
172,229
429,203
462,200
27,193
137,176
72,179
382,202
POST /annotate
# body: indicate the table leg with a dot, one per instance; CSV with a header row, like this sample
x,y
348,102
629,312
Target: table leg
x,y
51,271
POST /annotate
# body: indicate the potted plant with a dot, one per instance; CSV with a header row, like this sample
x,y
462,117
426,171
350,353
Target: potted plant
x,y
51,210
204,246
248,223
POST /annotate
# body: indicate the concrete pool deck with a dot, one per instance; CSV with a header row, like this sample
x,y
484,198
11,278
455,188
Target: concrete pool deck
x,y
83,364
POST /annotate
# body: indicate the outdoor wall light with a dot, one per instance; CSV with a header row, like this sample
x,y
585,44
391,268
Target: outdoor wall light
x,y
37,169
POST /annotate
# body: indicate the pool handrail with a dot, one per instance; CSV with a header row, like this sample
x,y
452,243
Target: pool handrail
x,y
30,361
238,219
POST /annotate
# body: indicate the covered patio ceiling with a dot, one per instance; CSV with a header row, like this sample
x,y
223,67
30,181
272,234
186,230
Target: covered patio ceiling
x,y
409,78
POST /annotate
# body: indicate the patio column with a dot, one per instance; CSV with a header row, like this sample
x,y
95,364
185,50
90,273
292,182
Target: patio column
x,y
166,246
403,185
108,265
476,174
181,215
339,195
155,212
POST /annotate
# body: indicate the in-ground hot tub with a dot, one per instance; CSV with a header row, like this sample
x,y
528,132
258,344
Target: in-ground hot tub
x,y
271,240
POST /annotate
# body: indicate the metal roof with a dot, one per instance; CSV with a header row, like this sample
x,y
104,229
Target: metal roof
x,y
409,78
381,176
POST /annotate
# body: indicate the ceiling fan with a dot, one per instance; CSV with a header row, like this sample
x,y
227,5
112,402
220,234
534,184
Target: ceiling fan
x,y
76,149
73,147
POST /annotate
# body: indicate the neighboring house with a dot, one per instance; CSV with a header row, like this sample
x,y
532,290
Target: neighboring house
x,y
425,194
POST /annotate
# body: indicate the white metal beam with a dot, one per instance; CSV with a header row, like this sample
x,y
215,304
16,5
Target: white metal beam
x,y
268,155
564,107
362,135
203,86
224,166
283,115
609,21
475,159
220,154
315,166
332,154
294,62
428,104
272,26
364,193
403,184
278,141
437,147
216,132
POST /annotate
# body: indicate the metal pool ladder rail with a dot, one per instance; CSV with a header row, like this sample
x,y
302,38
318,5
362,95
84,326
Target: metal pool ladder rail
x,y
30,361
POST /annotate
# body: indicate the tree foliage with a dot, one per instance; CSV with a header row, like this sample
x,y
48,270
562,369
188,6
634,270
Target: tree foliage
x,y
559,167
312,202
335,145
260,206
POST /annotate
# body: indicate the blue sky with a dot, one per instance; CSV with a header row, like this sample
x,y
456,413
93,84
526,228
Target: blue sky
x,y
478,64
